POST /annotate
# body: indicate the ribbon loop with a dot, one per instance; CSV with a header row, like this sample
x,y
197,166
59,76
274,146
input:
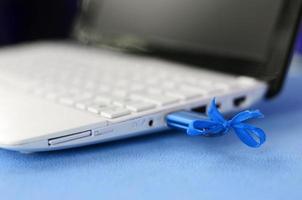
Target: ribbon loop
x,y
250,135
217,125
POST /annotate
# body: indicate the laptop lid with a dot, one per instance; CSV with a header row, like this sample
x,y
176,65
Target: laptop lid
x,y
251,37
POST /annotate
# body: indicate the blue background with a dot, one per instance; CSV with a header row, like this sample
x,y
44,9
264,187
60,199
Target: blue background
x,y
170,164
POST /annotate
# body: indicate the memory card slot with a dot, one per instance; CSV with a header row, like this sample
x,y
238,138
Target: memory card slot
x,y
68,138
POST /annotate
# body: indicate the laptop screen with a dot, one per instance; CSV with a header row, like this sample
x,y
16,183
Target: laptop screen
x,y
233,27
211,30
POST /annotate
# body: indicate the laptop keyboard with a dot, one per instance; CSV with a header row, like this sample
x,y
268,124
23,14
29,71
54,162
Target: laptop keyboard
x,y
112,86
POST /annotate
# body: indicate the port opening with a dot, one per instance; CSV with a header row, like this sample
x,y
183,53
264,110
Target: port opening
x,y
150,123
237,102
218,105
200,109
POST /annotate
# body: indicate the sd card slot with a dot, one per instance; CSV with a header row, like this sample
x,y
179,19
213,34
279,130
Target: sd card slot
x,y
68,138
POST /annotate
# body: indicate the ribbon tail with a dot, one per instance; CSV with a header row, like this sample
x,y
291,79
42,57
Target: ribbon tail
x,y
246,115
250,135
214,114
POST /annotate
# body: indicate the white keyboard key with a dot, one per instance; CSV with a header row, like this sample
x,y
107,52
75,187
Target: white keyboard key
x,y
200,90
103,89
83,104
156,99
168,85
120,93
184,94
242,82
136,87
152,81
75,91
191,80
38,91
221,86
103,98
96,108
114,112
85,95
51,95
246,80
122,83
66,100
121,101
213,91
138,106
90,85
154,91
93,109
79,98
204,83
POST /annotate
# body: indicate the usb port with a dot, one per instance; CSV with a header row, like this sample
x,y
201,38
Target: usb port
x,y
200,109
239,101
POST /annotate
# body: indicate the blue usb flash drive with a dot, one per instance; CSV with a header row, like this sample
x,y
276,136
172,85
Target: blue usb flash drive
x,y
215,125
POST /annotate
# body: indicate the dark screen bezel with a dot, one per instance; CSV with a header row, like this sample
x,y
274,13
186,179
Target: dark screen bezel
x,y
284,38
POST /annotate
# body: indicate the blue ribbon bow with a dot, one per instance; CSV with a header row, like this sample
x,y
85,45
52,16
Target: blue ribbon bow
x,y
217,125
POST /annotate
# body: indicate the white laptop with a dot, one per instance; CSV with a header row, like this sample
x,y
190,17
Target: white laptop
x,y
130,63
